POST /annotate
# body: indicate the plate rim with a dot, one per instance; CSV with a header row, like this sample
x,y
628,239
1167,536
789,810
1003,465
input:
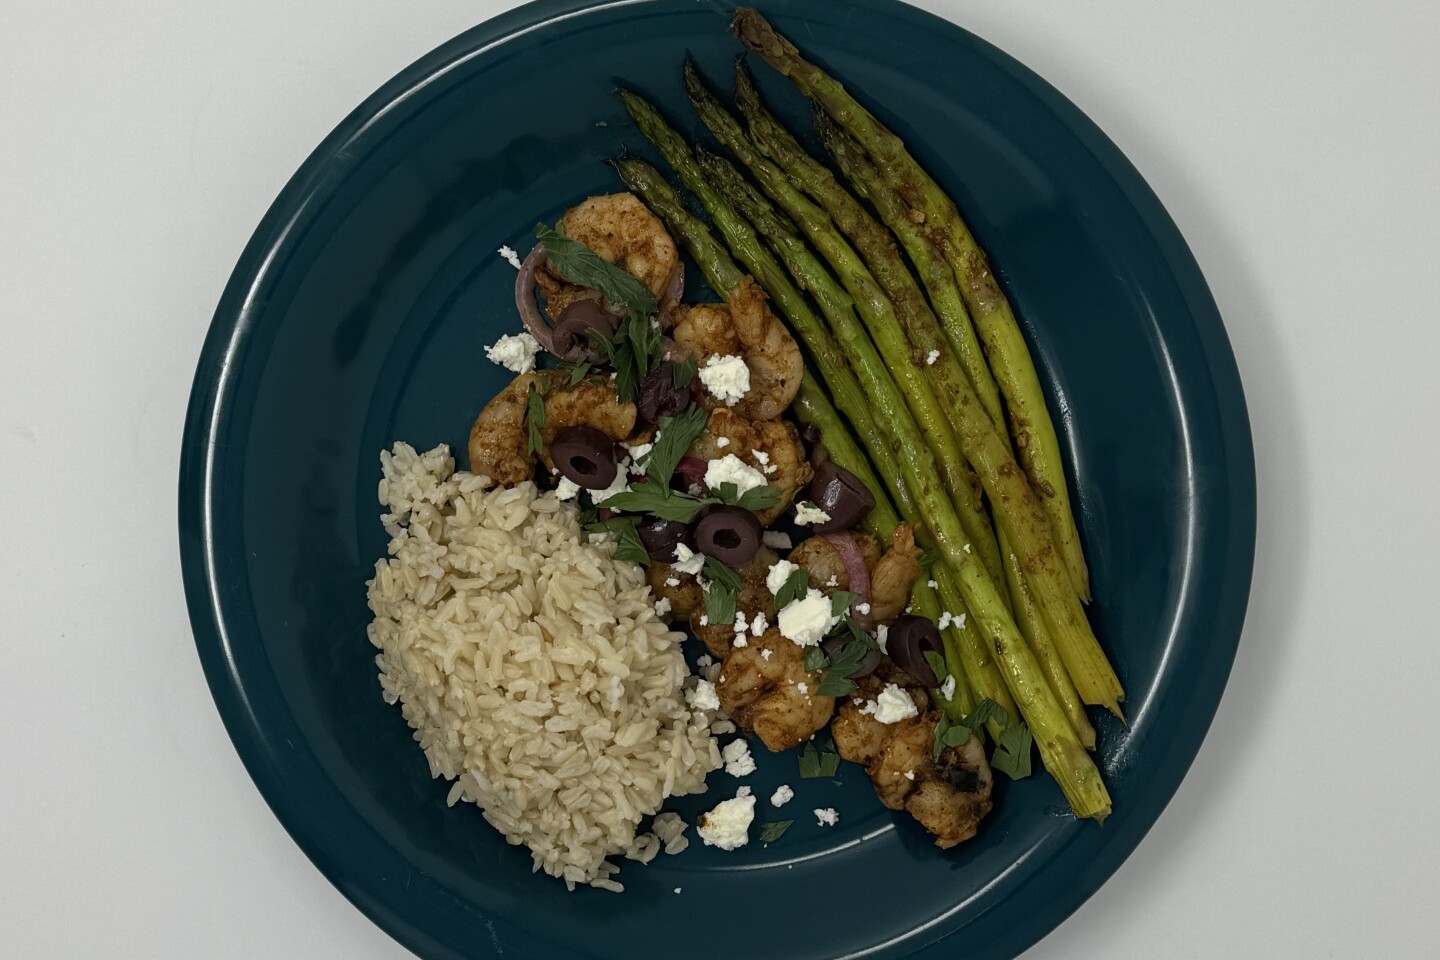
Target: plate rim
x,y
303,195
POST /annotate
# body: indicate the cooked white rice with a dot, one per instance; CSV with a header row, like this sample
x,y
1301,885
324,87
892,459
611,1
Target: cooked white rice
x,y
532,668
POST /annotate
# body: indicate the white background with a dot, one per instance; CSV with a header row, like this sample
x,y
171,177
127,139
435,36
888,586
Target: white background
x,y
1296,145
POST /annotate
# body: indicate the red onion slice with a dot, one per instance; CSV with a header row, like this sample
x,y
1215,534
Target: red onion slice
x,y
691,468
850,556
525,303
674,290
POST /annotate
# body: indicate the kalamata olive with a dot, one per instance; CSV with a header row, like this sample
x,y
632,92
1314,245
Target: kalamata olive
x,y
836,646
842,495
729,534
910,637
810,433
577,329
660,536
658,395
585,456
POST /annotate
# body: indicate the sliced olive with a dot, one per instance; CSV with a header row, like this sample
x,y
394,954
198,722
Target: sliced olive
x,y
909,639
580,328
585,456
660,537
659,396
729,534
839,493
835,646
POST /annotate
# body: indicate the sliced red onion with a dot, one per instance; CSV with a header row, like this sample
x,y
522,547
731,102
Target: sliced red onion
x,y
691,468
530,314
854,561
674,290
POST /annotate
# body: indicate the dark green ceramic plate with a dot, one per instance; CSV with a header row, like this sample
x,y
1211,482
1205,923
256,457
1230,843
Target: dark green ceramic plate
x,y
357,316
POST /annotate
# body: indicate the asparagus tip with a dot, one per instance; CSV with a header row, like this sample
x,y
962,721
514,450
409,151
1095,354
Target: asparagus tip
x,y
756,33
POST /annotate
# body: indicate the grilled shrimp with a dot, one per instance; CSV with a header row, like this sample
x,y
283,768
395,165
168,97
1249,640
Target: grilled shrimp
x,y
498,440
686,598
619,228
745,326
892,574
949,796
772,696
753,597
771,446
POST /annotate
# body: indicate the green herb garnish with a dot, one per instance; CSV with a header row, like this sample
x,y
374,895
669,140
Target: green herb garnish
x,y
815,763
840,602
953,733
652,496
580,265
684,371
717,572
1012,753
835,681
673,437
796,586
756,498
578,371
774,830
720,591
937,664
815,660
534,418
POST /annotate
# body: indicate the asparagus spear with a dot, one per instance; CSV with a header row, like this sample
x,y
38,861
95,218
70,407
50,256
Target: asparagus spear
x,y
769,134
991,311
1063,754
1017,508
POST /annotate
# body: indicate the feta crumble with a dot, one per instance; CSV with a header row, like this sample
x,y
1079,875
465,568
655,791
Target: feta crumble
x,y
767,653
758,624
566,489
909,774
704,660
807,513
662,606
803,687
882,637
738,761
932,585
672,581
703,697
727,826
515,352
731,469
806,620
894,705
783,794
722,442
687,560
827,816
776,540
778,573
862,608
947,689
511,257
931,357
727,378
620,484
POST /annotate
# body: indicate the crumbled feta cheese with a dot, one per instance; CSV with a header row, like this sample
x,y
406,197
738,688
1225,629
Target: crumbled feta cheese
x,y
767,653
511,257
807,513
804,688
776,540
738,761
672,581
566,489
739,640
932,585
731,469
638,450
704,619
931,357
677,889
741,625
862,608
727,379
783,794
620,484
909,774
945,619
687,560
662,606
761,457
779,572
947,689
727,826
827,816
515,352
966,548
894,705
703,697
834,581
806,620
722,442
882,636
695,490
867,707
704,660
758,624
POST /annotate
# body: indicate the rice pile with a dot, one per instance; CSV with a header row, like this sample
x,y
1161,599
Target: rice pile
x,y
532,668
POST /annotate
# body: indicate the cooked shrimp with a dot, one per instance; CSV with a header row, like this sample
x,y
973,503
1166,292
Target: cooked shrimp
x,y
499,438
771,446
892,575
948,796
684,594
753,598
772,696
619,228
745,327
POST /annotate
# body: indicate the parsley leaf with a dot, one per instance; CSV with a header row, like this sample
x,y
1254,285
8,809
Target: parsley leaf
x,y
840,602
717,572
815,763
534,418
937,664
772,831
1012,753
719,603
952,733
578,371
672,439
684,372
796,585
815,660
835,681
651,496
581,265
759,498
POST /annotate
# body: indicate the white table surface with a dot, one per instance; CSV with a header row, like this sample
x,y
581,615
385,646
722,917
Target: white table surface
x,y
1295,144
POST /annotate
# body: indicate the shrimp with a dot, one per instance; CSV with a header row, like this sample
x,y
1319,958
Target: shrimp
x,y
892,574
619,228
752,599
772,696
684,593
745,326
499,438
948,795
771,446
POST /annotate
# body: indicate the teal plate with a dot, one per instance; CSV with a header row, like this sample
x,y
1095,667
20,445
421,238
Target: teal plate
x,y
357,316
